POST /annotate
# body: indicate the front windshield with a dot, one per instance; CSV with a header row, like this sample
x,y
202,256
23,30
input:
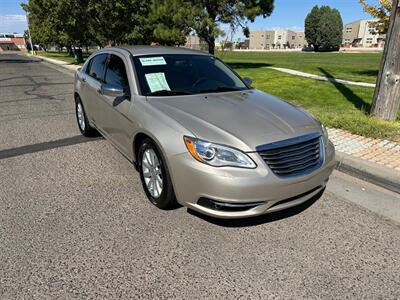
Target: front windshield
x,y
183,74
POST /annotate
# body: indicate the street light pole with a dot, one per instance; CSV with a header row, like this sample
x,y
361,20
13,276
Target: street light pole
x,y
29,33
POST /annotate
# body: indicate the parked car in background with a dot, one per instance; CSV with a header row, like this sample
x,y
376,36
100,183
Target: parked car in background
x,y
199,134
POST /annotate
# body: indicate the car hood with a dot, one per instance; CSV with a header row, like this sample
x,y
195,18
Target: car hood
x,y
244,119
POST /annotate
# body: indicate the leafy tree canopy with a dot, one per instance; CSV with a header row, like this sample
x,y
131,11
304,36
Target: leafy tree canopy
x,y
324,28
176,18
381,12
84,22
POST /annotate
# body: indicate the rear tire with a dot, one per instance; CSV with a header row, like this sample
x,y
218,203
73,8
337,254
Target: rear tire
x,y
83,122
155,177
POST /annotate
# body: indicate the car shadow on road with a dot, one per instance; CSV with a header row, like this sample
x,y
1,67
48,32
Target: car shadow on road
x,y
79,139
259,220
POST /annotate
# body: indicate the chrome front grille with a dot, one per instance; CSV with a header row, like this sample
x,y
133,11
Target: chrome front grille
x,y
294,157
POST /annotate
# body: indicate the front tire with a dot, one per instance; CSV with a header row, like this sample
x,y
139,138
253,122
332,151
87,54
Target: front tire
x,y
155,176
83,122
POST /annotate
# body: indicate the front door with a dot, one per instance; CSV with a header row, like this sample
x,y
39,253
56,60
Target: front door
x,y
119,126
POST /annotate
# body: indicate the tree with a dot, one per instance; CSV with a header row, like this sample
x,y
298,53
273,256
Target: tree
x,y
178,17
380,12
226,45
118,21
324,28
172,21
62,22
387,93
83,22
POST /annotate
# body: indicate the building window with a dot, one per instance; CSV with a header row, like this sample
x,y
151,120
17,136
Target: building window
x,y
369,40
267,45
279,37
262,35
268,36
293,37
349,29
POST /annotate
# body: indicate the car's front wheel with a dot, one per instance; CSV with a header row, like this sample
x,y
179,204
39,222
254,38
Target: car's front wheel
x,y
83,122
155,176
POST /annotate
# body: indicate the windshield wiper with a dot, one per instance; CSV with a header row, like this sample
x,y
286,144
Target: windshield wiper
x,y
168,93
222,89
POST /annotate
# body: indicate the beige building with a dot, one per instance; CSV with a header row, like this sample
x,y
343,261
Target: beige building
x,y
276,39
261,39
196,43
361,34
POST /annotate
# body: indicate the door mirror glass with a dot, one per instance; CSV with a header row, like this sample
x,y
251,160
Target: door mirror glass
x,y
112,90
248,81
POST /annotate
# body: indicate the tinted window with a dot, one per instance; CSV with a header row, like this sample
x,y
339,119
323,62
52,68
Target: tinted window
x,y
97,65
184,74
116,72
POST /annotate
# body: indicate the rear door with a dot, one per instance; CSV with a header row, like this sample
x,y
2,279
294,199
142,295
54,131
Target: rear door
x,y
94,80
118,123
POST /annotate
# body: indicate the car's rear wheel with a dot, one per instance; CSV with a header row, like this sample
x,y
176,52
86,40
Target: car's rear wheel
x,y
155,176
83,122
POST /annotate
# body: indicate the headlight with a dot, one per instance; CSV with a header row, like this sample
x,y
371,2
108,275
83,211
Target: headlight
x,y
217,155
325,134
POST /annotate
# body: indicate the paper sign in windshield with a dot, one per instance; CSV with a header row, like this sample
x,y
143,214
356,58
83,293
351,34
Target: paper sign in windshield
x,y
152,61
157,82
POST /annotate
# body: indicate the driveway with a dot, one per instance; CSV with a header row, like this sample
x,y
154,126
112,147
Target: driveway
x,y
74,221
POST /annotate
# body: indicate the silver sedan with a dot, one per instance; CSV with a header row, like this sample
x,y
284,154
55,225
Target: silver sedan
x,y
199,134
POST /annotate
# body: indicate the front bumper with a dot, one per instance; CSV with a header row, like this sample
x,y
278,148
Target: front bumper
x,y
257,191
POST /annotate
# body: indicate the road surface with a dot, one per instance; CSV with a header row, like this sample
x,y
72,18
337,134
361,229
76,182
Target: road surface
x,y
74,221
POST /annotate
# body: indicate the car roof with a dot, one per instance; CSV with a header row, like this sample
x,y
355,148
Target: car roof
x,y
155,50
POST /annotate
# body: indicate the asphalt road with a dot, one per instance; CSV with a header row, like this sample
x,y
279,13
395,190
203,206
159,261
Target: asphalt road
x,y
74,221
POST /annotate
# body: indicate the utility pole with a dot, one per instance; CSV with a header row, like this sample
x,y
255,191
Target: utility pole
x,y
387,92
29,33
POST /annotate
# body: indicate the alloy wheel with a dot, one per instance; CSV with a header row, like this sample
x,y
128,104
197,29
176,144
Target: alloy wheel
x,y
152,173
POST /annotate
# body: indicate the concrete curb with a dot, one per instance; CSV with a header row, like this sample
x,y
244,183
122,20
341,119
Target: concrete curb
x,y
60,63
368,171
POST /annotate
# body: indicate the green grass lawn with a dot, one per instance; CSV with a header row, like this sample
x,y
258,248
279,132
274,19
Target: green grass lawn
x,y
61,56
351,66
336,105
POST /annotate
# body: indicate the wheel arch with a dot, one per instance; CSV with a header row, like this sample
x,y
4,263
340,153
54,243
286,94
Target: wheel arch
x,y
137,141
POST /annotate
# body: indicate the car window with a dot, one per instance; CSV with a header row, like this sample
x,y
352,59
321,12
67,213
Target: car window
x,y
116,72
169,74
97,65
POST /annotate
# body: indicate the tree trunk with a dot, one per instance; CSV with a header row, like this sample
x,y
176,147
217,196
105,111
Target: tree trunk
x,y
387,93
211,45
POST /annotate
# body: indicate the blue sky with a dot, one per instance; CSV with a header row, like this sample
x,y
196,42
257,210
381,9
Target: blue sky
x,y
287,14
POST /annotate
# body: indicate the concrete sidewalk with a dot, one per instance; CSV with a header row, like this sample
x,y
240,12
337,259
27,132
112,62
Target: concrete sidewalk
x,y
321,78
60,63
373,160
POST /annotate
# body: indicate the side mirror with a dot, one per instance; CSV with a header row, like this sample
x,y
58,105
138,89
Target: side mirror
x,y
248,81
112,90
